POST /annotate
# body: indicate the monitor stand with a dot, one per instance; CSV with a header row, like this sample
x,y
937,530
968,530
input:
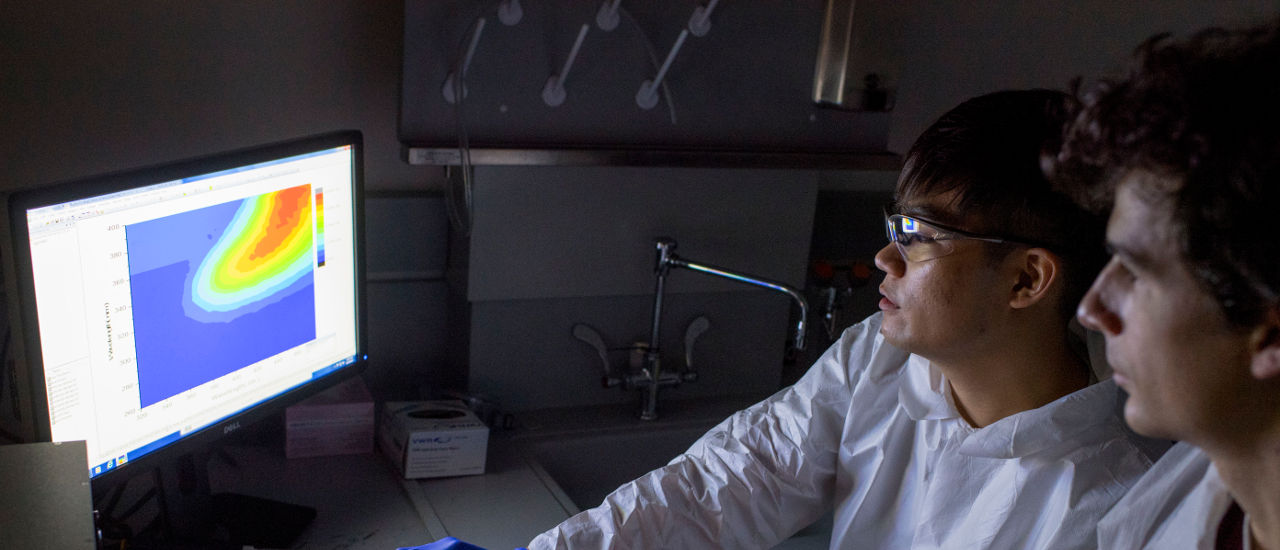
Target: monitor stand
x,y
191,517
259,522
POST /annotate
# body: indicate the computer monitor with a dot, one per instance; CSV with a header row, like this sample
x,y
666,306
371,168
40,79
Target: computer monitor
x,y
164,307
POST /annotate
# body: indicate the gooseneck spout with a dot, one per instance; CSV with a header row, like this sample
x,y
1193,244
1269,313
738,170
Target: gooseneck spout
x,y
667,259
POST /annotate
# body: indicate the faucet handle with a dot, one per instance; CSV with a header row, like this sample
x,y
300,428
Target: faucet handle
x,y
584,332
691,334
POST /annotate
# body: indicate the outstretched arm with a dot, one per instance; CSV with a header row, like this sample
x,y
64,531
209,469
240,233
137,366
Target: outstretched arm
x,y
751,482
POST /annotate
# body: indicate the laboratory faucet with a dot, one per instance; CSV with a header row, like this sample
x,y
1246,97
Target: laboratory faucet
x,y
652,376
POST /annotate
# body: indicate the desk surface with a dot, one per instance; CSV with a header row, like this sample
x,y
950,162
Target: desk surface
x,y
362,503
359,500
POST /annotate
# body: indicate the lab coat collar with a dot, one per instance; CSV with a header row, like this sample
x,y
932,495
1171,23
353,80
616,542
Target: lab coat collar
x,y
1040,429
1178,504
925,395
924,392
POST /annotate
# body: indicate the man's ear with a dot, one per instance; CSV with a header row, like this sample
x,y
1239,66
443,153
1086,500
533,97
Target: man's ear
x,y
1039,269
1264,342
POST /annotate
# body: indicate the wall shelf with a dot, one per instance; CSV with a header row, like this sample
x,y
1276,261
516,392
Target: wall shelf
x,y
702,158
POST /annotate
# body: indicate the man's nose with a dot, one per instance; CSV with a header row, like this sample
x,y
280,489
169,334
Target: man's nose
x,y
1094,312
889,260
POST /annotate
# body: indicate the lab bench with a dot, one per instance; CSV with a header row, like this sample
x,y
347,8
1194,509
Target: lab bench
x,y
362,502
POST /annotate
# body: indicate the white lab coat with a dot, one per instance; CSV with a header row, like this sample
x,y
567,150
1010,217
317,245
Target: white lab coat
x,y
872,431
1178,504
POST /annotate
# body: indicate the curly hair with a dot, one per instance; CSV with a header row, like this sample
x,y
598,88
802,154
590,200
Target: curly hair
x,y
1199,120
986,154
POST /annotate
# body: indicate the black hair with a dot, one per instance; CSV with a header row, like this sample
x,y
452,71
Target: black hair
x,y
986,154
1198,122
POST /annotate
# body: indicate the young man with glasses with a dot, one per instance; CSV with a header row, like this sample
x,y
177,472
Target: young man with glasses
x,y
1185,153
959,416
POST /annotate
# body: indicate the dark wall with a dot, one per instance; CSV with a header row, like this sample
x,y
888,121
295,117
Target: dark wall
x,y
89,87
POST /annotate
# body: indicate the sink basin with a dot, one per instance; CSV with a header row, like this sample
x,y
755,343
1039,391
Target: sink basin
x,y
589,467
589,453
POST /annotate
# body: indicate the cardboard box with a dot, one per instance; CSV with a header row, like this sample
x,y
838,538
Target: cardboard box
x,y
433,438
337,421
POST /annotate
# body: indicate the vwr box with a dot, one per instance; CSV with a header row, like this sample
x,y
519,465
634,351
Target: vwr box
x,y
433,438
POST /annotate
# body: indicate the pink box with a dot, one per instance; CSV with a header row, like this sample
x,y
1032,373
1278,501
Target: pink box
x,y
338,421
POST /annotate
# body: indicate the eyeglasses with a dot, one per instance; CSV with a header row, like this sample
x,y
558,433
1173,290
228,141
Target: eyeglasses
x,y
920,240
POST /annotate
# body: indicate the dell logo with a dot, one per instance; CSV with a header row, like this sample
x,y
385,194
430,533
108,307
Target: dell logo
x,y
230,428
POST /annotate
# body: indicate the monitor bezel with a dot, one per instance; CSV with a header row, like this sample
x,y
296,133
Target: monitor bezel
x,y
27,321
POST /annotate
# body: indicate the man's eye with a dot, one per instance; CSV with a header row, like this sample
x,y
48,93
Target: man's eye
x,y
916,238
1129,274
1123,271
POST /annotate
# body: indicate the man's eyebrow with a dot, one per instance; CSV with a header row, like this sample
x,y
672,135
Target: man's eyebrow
x,y
1130,255
927,212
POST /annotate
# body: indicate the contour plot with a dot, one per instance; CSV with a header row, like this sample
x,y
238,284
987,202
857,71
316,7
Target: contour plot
x,y
220,288
266,248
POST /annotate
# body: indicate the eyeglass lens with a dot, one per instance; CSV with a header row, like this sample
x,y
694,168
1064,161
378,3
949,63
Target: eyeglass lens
x,y
916,240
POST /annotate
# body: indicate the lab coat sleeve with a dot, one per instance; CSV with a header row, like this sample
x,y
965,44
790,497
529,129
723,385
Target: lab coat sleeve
x,y
752,481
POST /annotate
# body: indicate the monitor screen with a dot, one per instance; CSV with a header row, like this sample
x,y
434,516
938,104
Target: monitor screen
x,y
176,301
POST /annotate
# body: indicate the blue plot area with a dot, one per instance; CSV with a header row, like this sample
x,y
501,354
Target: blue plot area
x,y
176,352
185,237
